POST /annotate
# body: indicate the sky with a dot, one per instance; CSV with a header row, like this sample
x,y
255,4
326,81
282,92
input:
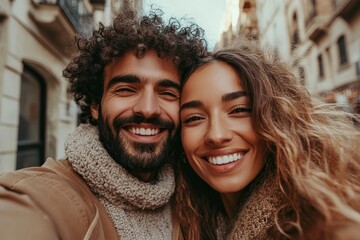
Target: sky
x,y
208,14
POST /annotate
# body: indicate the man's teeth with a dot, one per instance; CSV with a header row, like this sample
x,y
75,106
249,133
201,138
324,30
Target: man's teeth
x,y
144,131
224,159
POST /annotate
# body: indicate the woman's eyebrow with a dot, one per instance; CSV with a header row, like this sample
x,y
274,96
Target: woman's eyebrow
x,y
234,95
225,98
191,104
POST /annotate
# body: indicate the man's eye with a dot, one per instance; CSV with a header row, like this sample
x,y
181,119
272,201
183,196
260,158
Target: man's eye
x,y
170,94
124,89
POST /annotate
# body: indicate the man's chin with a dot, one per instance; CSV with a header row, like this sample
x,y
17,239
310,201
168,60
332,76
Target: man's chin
x,y
141,157
136,154
143,165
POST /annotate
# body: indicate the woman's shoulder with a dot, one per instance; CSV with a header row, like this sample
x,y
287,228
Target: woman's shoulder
x,y
256,216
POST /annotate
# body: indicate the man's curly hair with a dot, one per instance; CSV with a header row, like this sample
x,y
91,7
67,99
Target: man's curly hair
x,y
129,32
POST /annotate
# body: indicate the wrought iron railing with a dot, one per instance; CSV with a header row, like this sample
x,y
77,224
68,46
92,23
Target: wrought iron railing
x,y
76,12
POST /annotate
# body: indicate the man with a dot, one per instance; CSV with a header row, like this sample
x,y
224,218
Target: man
x,y
116,180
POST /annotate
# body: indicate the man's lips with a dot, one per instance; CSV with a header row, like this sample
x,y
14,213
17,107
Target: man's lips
x,y
145,132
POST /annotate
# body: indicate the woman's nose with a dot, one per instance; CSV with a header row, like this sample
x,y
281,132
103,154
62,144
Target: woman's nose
x,y
218,132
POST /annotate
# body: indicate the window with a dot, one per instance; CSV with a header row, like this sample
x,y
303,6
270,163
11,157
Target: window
x,y
320,66
296,37
247,6
31,135
342,50
313,11
302,75
295,32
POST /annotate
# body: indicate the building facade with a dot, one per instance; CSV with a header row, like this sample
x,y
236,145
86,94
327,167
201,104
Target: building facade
x,y
113,6
240,18
325,45
319,39
36,43
36,114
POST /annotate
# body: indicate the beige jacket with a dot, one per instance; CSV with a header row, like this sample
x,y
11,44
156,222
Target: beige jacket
x,y
51,202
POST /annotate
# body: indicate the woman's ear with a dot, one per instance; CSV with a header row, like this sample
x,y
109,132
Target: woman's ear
x,y
94,110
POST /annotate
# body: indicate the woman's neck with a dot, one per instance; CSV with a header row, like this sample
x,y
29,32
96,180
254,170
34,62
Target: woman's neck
x,y
230,201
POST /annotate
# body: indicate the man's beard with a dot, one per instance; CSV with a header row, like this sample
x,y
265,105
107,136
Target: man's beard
x,y
135,156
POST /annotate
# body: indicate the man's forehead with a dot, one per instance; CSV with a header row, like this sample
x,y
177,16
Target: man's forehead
x,y
148,66
131,57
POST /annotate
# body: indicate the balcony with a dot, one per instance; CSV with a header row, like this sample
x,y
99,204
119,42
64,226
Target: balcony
x,y
316,27
60,20
346,9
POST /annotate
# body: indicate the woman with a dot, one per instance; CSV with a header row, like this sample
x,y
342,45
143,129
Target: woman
x,y
263,161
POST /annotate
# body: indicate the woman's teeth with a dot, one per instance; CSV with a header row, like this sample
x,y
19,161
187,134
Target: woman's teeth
x,y
224,159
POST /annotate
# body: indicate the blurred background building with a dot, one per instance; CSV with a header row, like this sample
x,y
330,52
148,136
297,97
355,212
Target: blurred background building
x,y
320,39
36,42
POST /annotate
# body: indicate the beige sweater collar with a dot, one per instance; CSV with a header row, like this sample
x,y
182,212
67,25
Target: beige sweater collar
x,y
108,179
138,210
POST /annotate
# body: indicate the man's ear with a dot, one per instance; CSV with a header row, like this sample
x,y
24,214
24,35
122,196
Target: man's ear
x,y
94,110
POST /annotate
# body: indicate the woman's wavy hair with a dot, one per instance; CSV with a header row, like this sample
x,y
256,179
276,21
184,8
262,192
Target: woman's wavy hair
x,y
312,147
129,32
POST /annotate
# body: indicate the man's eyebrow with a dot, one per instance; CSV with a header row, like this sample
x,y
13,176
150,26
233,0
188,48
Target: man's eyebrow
x,y
168,83
191,104
234,95
122,79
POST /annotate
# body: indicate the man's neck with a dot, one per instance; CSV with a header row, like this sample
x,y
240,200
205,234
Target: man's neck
x,y
144,176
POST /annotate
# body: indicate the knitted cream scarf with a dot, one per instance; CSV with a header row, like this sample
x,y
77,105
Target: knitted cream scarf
x,y
256,219
139,210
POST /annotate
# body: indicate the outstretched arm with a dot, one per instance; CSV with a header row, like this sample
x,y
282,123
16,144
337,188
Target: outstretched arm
x,y
21,218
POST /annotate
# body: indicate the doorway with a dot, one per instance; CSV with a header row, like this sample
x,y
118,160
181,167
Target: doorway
x,y
32,120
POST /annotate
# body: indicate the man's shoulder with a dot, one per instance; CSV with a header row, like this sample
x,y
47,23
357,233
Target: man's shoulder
x,y
53,174
56,191
55,183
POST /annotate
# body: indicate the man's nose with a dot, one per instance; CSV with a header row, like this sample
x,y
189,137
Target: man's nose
x,y
147,104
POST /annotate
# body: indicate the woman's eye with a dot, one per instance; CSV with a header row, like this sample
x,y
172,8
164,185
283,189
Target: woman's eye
x,y
243,110
192,119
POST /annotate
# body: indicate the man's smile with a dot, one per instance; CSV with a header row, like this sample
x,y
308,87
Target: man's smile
x,y
146,133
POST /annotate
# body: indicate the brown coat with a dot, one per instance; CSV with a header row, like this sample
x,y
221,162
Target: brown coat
x,y
51,202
